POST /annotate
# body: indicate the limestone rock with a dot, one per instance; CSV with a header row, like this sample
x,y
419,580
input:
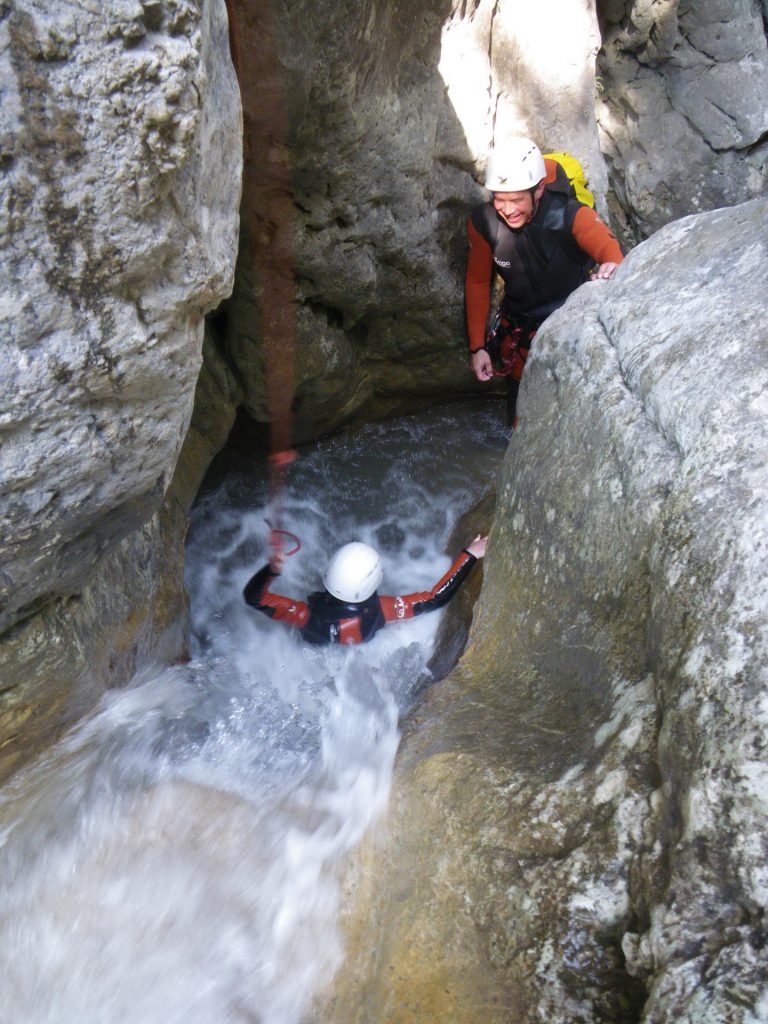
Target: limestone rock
x,y
578,827
392,113
120,183
120,186
682,111
453,631
56,664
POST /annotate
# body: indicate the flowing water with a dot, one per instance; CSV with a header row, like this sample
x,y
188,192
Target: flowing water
x,y
175,858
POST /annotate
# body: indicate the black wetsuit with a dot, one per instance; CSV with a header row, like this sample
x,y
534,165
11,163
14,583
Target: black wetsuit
x,y
324,619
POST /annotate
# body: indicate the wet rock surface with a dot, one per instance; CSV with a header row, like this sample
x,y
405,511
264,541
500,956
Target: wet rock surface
x,y
578,817
577,831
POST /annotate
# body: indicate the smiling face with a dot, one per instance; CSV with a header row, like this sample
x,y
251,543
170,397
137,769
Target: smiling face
x,y
515,208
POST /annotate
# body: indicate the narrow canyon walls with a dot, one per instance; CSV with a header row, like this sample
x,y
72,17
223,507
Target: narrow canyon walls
x,y
391,115
392,111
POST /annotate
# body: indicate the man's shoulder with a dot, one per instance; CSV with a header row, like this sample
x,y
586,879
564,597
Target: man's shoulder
x,y
483,219
482,209
557,208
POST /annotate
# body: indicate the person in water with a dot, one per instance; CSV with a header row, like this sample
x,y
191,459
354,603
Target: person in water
x,y
349,610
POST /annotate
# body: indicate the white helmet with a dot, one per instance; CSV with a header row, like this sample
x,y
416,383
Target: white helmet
x,y
354,572
515,166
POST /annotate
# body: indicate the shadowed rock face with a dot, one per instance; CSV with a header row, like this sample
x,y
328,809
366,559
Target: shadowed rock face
x,y
578,823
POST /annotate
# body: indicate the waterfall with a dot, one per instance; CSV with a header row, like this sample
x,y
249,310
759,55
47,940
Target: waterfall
x,y
175,858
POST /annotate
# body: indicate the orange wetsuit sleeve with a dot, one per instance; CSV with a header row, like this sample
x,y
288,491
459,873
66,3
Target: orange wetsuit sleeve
x,y
408,605
477,286
551,167
594,237
284,609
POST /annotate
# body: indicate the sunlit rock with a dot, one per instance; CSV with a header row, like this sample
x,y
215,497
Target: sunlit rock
x,y
682,110
120,179
121,185
577,829
392,112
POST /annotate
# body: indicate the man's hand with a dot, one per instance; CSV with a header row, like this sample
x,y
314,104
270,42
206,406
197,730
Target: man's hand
x,y
604,272
477,547
277,561
481,365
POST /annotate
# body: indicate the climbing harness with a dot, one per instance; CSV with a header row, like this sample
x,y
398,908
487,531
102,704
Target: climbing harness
x,y
508,345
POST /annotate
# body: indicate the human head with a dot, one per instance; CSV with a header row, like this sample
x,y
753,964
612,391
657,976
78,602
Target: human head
x,y
354,572
515,174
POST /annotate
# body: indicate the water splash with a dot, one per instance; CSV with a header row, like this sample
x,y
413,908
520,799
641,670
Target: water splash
x,y
176,857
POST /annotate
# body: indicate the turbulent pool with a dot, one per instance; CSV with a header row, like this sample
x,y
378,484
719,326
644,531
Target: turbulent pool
x,y
175,857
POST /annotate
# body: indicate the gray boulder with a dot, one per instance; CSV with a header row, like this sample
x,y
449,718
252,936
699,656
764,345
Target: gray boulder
x,y
120,181
681,109
578,826
120,133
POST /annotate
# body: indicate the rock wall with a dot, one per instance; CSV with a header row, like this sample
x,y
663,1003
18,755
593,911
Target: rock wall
x,y
120,184
682,113
391,116
577,830
613,692
391,113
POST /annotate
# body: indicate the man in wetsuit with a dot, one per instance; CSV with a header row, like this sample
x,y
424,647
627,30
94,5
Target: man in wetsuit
x,y
349,611
542,242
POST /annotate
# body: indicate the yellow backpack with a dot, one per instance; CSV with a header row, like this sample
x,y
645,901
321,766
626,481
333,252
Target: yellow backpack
x,y
576,176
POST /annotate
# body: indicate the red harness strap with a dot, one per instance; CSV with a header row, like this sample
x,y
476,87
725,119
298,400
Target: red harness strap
x,y
508,345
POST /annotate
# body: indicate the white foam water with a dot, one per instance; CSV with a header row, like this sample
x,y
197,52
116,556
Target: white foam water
x,y
175,858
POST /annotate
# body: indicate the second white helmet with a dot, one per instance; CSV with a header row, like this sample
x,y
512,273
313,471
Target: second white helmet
x,y
514,166
354,572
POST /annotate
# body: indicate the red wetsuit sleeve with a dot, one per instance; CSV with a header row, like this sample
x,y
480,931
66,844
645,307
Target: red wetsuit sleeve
x,y
408,605
284,609
350,632
594,237
477,286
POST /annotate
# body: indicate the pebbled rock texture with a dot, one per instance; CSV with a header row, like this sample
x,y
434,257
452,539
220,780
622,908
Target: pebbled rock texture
x,y
120,143
682,113
578,826
120,186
